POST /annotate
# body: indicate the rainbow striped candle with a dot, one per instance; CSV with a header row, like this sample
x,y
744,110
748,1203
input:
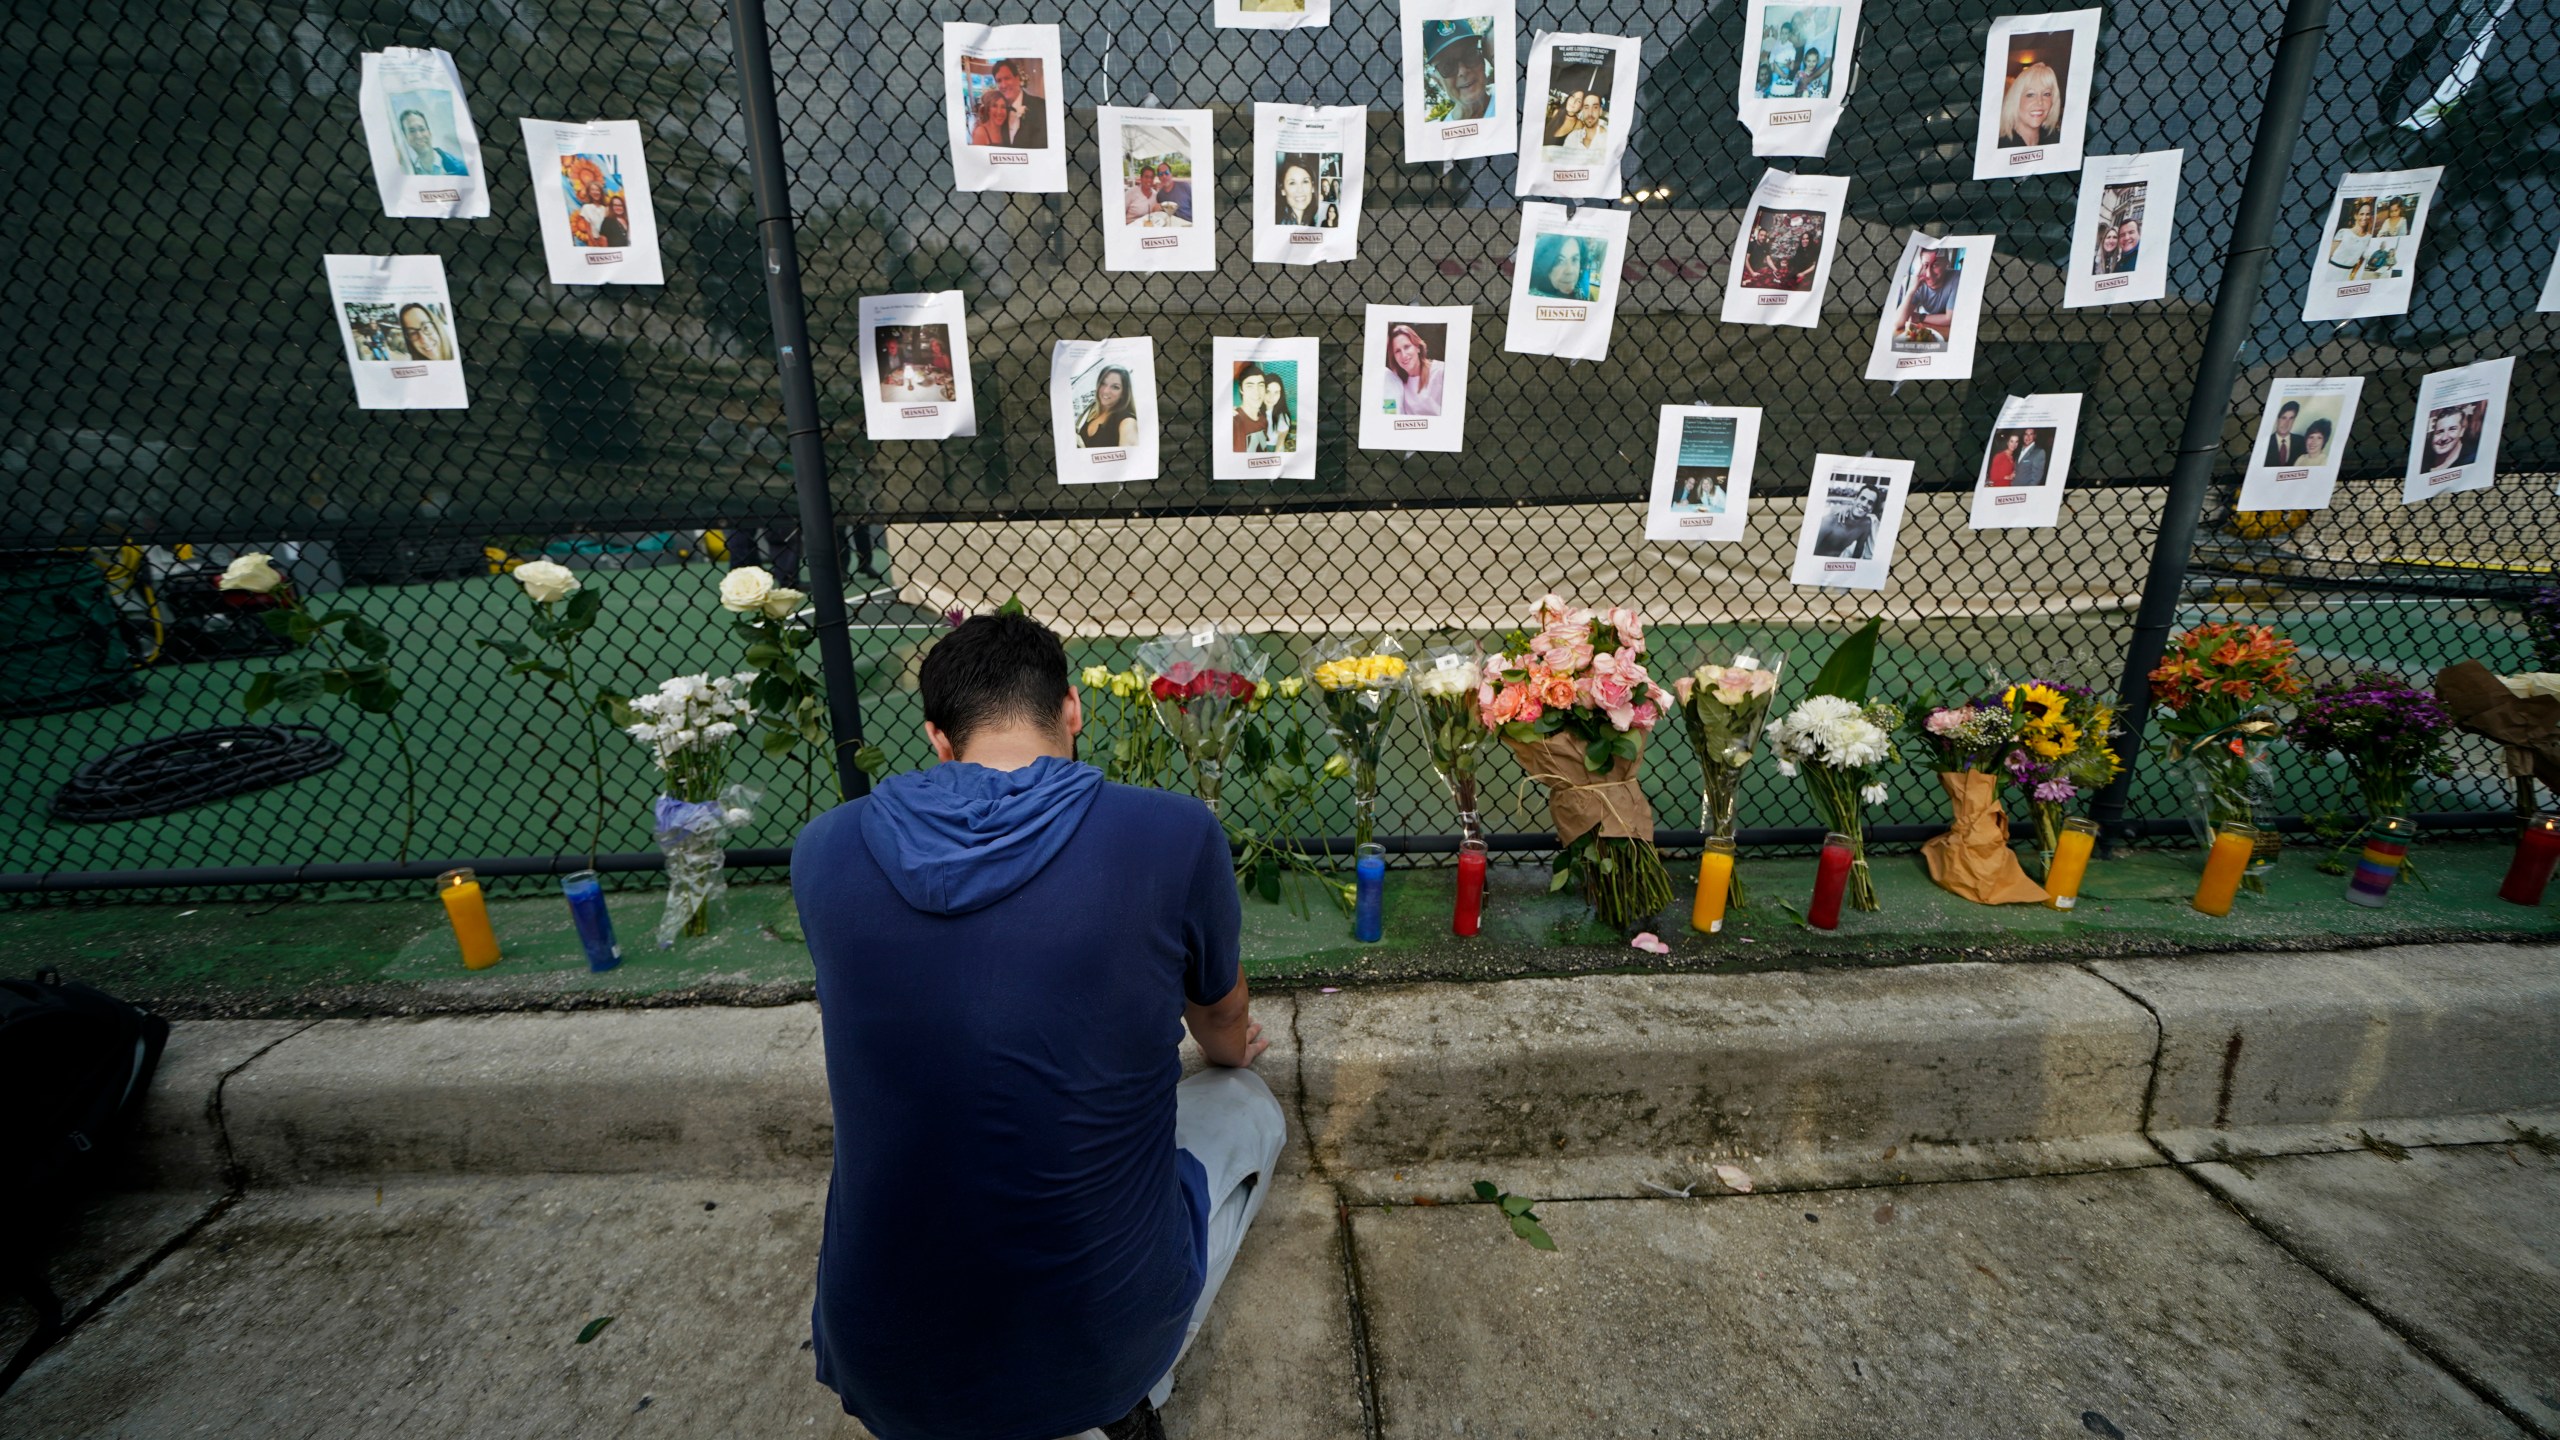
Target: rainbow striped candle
x,y
2386,849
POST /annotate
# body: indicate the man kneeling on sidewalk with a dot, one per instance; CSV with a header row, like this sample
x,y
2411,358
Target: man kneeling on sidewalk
x,y
1031,1210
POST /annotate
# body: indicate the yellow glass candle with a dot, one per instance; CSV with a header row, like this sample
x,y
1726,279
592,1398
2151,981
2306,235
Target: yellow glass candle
x,y
1715,882
469,911
2224,866
2070,862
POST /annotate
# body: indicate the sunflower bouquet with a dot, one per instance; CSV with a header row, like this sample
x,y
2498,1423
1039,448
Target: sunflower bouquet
x,y
2063,751
1359,684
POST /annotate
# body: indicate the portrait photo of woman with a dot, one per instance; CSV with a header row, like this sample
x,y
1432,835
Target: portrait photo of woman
x,y
1566,267
1417,382
1110,418
1298,206
2031,107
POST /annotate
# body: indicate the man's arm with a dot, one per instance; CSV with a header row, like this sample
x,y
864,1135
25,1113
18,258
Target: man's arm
x,y
1226,1031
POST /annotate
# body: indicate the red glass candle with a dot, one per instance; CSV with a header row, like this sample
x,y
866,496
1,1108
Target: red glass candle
x,y
1470,888
1830,882
2537,850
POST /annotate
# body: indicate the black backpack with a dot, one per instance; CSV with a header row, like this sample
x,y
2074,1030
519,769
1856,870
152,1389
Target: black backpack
x,y
75,1064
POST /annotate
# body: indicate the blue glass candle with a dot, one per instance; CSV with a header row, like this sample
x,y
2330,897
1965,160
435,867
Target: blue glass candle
x,y
1369,917
594,922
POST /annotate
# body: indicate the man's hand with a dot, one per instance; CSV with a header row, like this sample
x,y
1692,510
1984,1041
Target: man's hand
x,y
1227,1032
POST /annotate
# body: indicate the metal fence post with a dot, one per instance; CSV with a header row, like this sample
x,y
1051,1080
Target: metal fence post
x,y
819,545
2235,311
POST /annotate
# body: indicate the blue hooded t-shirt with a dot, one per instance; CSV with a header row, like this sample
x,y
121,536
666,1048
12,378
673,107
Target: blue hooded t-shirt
x,y
1013,1245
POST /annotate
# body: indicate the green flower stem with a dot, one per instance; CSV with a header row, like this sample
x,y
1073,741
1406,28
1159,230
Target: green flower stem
x,y
399,732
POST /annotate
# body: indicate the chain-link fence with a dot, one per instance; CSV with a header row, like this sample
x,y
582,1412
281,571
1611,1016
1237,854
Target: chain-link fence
x,y
177,394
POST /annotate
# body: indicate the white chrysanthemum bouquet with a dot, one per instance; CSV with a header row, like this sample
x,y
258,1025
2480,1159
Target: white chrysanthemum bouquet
x,y
689,724
1834,739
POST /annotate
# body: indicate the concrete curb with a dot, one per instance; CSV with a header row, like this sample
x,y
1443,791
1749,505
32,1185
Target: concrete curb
x,y
1597,1086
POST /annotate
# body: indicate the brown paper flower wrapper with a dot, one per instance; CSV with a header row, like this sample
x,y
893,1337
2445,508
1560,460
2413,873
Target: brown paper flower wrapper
x,y
1578,799
1973,859
2528,727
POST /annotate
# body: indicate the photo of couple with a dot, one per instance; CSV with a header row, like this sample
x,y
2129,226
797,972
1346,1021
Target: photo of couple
x,y
1007,106
1263,419
2019,459
1852,507
2453,435
422,128
2119,241
1568,267
1783,250
1310,190
1457,80
599,212
1155,177
2305,433
1417,379
1925,298
1702,479
2032,99
1578,90
384,333
1797,46
2370,234
915,362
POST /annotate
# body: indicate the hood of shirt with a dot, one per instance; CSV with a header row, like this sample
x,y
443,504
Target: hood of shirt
x,y
960,837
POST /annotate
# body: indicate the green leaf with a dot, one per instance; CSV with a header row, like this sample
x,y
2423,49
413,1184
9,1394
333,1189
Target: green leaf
x,y
582,609
298,688
508,648
764,653
778,743
1487,1190
1562,878
292,624
260,694
1533,1232
362,634
594,1328
1517,1205
615,707
871,760
1266,878
374,693
1850,668
1012,606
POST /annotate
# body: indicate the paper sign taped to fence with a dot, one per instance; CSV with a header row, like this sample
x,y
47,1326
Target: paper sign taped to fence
x,y
1459,76
417,126
2551,287
1782,265
915,367
1272,14
1413,377
2455,443
591,195
1564,282
1262,408
2294,463
2120,237
1102,409
2368,259
1581,105
1851,516
2037,72
1795,73
396,319
1934,311
1702,458
1004,94
2019,486
1159,191
1307,162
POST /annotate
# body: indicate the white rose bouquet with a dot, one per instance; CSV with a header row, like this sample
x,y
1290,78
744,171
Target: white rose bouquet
x,y
688,725
563,610
790,709
1445,681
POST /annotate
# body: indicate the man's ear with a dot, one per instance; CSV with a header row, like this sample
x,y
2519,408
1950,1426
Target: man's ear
x,y
1071,715
941,743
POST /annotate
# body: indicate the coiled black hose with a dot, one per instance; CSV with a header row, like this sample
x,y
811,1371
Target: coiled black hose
x,y
173,772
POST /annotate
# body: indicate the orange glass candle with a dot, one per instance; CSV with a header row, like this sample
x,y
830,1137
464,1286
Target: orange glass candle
x,y
2224,866
468,909
1715,884
2070,862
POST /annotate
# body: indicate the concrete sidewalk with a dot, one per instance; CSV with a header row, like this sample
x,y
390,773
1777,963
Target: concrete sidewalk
x,y
2237,1195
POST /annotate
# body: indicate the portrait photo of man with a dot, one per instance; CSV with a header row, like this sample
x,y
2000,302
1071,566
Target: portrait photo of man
x,y
1461,85
419,153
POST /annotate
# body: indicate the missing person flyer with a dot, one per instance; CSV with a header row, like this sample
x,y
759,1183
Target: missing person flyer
x,y
1581,103
2294,463
1159,195
1851,514
1272,14
1782,265
1564,285
1459,73
915,367
2019,486
2454,446
1413,377
2367,262
1934,310
2551,288
1795,74
1262,408
1702,458
1004,94
1102,409
396,320
417,127
591,196
2120,235
1306,182
2037,72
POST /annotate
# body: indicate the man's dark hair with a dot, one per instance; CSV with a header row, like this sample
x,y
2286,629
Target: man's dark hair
x,y
2287,408
993,670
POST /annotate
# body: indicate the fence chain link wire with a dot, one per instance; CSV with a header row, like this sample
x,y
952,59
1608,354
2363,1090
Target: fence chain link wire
x,y
177,394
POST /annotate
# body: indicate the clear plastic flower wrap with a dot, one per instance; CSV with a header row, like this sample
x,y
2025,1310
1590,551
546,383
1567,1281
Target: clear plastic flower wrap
x,y
1446,679
694,834
1204,684
1358,683
1722,707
